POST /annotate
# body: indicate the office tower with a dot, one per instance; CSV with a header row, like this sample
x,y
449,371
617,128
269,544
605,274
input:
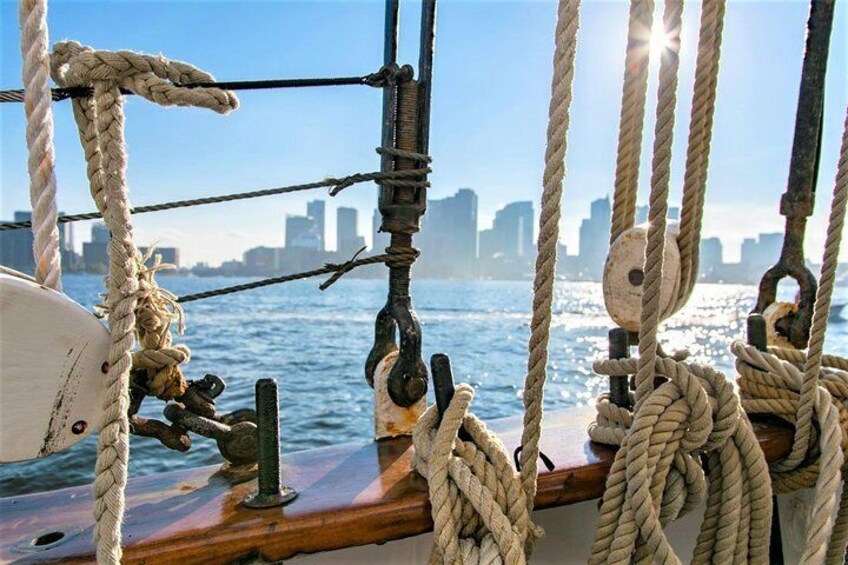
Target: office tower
x,y
711,255
761,253
511,235
315,212
301,233
348,240
448,238
100,233
642,214
16,246
168,255
594,239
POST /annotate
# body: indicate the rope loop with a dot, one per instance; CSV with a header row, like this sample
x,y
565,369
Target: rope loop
x,y
419,174
153,77
657,474
479,511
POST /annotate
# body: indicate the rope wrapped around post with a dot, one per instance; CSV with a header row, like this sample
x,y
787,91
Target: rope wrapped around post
x,y
481,506
479,510
100,120
806,388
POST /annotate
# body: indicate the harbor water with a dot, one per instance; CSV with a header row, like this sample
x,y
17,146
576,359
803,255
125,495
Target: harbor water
x,y
315,343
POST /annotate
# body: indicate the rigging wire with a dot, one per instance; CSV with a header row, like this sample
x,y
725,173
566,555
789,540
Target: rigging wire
x,y
335,185
377,79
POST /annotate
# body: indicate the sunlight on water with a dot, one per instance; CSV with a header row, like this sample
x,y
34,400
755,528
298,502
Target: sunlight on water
x,y
315,343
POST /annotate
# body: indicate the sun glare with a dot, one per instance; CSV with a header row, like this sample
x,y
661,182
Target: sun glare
x,y
659,40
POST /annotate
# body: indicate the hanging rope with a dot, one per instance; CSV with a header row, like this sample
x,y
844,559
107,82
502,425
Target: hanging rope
x,y
39,137
481,506
632,116
100,120
657,474
797,388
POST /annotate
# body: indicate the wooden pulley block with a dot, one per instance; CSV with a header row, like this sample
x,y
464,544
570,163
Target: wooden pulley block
x,y
774,312
391,420
53,359
624,276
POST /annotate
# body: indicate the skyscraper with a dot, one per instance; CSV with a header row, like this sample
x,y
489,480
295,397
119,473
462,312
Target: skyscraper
x,y
301,233
448,238
315,212
711,255
16,246
348,240
594,239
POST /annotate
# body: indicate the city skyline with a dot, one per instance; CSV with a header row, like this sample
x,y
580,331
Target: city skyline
x,y
492,140
451,242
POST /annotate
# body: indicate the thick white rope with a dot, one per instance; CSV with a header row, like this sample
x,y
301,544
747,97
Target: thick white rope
x,y
39,138
657,475
473,488
774,383
100,120
632,116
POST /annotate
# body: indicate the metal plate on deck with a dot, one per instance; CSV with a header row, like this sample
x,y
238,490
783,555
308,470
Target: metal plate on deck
x,y
52,355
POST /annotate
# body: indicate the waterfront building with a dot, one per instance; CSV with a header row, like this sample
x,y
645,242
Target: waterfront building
x,y
315,211
348,240
448,240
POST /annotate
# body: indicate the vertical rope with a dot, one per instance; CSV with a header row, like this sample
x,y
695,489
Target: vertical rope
x,y
660,176
698,149
543,285
113,440
632,116
39,138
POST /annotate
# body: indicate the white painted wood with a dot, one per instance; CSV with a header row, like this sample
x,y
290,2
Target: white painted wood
x,y
51,355
622,298
391,420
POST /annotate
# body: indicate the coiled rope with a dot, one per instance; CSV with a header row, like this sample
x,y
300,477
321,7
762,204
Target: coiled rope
x,y
39,138
481,506
807,388
100,120
657,475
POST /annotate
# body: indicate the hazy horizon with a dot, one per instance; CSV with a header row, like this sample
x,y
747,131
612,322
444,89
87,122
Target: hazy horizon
x,y
491,91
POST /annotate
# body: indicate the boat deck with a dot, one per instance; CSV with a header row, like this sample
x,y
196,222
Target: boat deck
x,y
349,495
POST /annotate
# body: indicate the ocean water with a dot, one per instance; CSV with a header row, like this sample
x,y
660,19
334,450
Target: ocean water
x,y
314,343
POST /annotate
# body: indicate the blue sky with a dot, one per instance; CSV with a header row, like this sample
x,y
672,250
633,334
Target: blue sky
x,y
489,111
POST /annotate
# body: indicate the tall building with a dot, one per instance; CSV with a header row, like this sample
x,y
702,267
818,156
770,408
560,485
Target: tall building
x,y
100,233
168,255
348,240
448,237
16,246
594,239
761,253
300,233
315,211
262,260
711,258
511,235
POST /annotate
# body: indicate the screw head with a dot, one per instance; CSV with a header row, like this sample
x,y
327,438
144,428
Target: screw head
x,y
79,427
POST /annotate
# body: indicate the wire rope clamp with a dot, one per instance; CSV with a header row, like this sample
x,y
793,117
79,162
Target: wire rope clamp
x,y
624,274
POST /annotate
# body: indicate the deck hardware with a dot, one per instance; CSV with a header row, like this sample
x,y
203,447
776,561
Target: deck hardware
x,y
797,202
200,395
619,348
46,540
270,492
237,442
79,427
443,388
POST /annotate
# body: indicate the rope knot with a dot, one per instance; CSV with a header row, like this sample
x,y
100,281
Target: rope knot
x,y
479,508
160,80
657,474
401,256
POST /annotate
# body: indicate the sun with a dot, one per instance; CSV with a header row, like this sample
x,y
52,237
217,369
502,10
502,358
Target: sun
x,y
660,41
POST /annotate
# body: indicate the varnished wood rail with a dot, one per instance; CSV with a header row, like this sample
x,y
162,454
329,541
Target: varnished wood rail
x,y
349,495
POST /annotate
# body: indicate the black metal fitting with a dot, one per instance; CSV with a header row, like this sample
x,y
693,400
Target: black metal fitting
x,y
200,396
797,202
619,348
270,491
236,442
